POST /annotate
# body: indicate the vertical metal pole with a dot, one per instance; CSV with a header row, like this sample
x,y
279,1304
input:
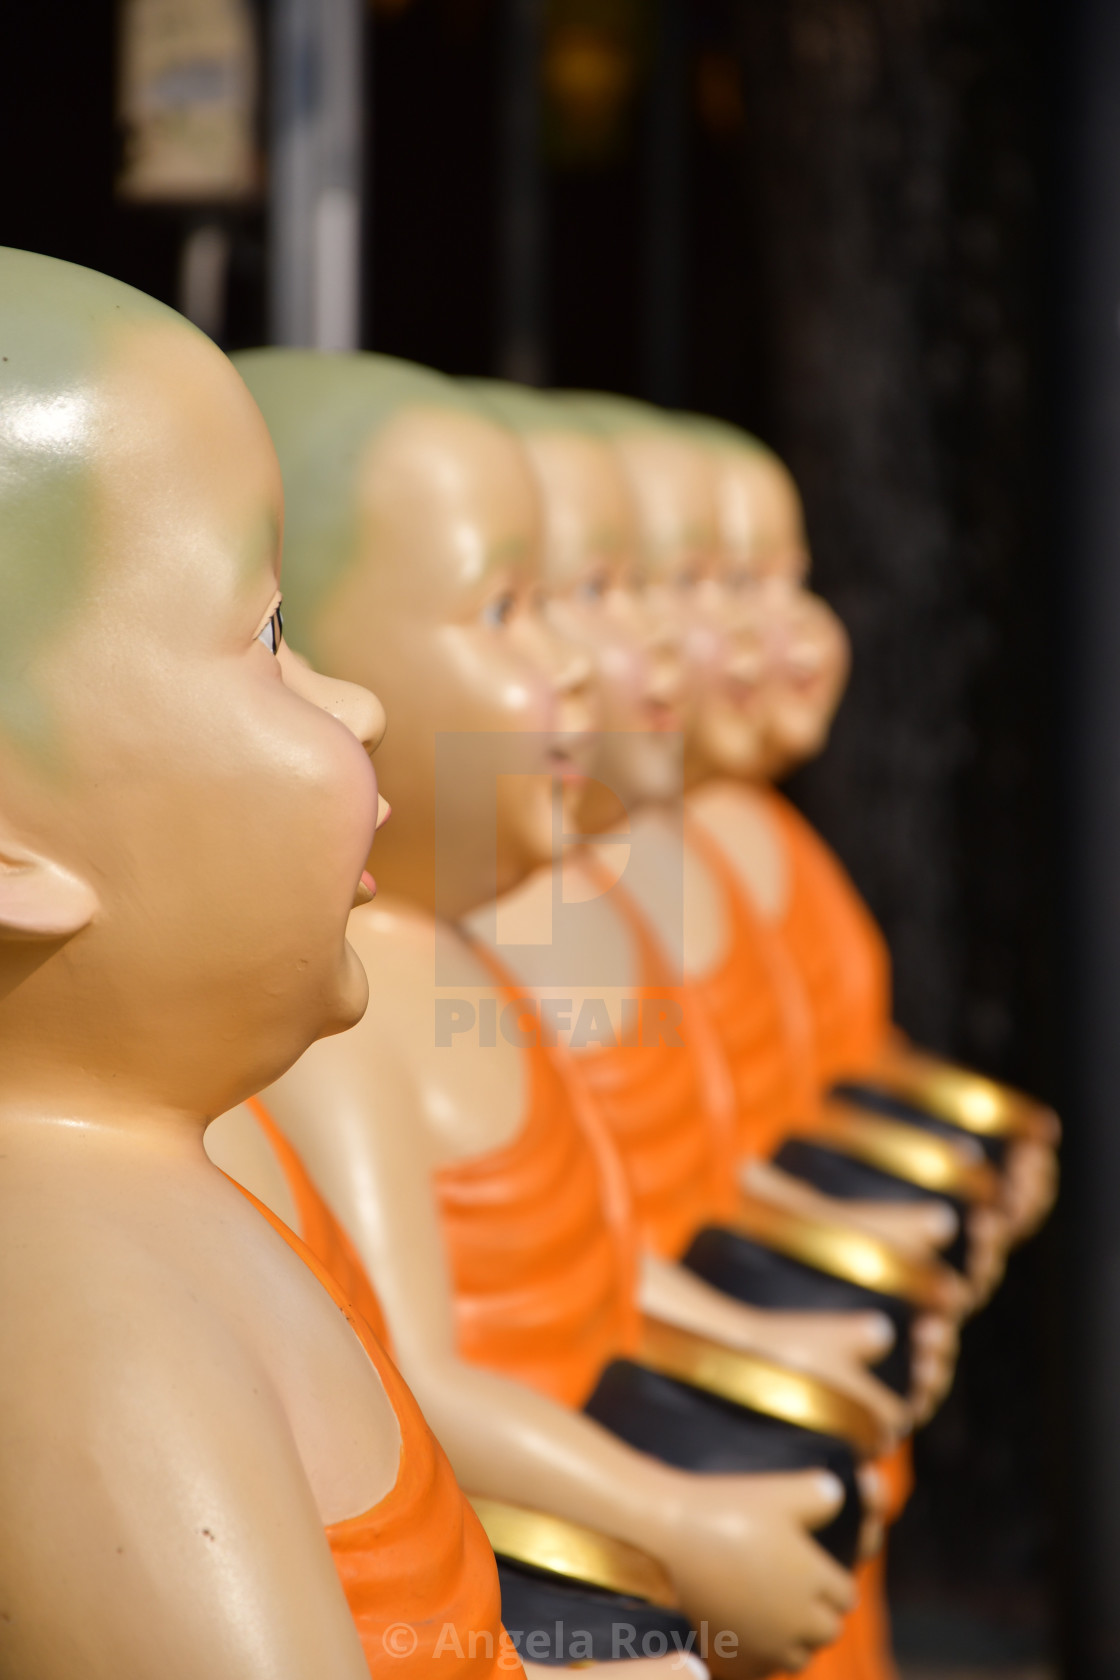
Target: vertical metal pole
x,y
521,298
203,277
316,182
1090,441
666,211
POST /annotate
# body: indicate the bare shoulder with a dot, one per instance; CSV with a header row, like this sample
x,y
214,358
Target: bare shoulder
x,y
678,892
738,804
150,1464
98,1297
741,820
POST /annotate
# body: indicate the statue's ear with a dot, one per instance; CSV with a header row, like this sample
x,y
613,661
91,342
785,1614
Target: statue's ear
x,y
39,899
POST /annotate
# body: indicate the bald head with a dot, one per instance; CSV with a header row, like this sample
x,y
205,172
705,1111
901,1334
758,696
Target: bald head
x,y
670,475
60,327
761,522
324,412
523,408
590,518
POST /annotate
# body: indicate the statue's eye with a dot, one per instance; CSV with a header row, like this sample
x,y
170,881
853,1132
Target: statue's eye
x,y
500,610
273,633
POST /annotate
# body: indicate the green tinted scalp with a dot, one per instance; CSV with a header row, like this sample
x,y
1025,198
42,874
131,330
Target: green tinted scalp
x,y
722,434
322,410
613,416
523,408
57,322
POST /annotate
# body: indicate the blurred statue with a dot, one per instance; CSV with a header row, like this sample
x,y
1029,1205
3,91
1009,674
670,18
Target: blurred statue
x,y
801,889
698,529
634,585
478,1190
665,1097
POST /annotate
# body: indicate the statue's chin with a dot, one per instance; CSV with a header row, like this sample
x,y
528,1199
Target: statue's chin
x,y
733,747
352,996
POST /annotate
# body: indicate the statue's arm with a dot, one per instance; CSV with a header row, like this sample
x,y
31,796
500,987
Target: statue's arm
x,y
353,1114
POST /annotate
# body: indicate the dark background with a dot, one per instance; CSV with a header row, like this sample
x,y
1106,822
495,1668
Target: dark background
x,y
830,221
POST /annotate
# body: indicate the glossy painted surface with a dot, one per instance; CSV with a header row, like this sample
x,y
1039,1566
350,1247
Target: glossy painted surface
x,y
182,842
377,1114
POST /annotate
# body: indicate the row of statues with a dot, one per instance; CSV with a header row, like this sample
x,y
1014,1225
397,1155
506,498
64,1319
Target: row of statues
x,y
544,1263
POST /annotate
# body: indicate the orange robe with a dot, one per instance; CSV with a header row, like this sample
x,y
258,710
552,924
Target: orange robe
x,y
541,1235
863,1651
418,1565
666,1101
541,1245
839,957
664,1111
837,946
757,1003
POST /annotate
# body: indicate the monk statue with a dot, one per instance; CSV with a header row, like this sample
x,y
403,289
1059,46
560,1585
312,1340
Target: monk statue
x,y
891,1115
801,889
210,1467
750,985
472,1179
680,1108
662,1101
734,975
